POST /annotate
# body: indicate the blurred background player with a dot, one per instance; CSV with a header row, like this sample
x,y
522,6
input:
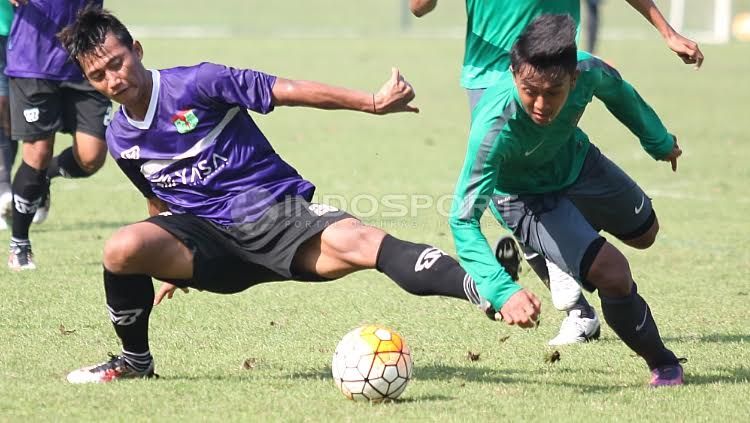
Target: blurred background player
x,y
48,94
491,29
592,25
555,190
8,147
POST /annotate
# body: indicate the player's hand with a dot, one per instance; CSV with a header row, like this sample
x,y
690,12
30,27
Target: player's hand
x,y
687,49
673,155
168,290
18,2
522,309
394,96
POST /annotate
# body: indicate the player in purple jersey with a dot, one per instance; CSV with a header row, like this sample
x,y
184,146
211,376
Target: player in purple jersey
x,y
48,94
227,212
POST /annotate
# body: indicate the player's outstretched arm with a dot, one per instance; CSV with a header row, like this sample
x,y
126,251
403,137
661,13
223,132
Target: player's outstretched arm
x,y
421,7
393,97
688,50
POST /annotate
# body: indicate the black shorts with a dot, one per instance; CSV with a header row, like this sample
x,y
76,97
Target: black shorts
x,y
41,107
229,259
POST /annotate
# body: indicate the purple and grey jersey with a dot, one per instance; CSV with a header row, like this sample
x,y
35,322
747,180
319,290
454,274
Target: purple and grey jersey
x,y
33,48
198,149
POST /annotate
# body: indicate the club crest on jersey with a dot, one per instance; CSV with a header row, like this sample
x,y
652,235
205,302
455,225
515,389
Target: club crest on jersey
x,y
185,121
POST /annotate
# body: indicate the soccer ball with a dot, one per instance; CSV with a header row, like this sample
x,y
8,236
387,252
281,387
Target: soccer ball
x,y
372,363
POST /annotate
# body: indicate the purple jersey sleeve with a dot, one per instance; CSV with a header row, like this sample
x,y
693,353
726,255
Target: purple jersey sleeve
x,y
241,87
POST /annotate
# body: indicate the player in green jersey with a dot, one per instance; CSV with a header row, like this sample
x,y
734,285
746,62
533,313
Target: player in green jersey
x,y
546,182
492,27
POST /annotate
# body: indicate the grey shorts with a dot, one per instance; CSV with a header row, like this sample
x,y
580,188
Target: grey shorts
x,y
564,226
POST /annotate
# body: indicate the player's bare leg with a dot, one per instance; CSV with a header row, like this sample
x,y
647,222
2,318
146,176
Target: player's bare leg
x,y
349,245
81,160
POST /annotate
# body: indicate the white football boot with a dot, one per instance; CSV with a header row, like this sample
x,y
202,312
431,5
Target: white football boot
x,y
576,329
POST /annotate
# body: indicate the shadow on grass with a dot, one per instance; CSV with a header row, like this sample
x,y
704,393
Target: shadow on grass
x,y
85,225
719,338
478,374
724,375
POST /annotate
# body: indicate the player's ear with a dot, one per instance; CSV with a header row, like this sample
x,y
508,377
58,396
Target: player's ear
x,y
138,49
574,78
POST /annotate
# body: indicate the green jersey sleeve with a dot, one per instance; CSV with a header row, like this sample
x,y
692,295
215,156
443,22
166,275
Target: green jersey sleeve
x,y
624,102
472,196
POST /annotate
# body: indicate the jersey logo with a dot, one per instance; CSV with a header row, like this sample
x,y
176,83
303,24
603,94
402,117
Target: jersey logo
x,y
185,121
132,153
530,152
31,115
428,257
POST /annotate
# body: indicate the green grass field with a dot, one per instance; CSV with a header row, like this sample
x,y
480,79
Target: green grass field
x,y
695,277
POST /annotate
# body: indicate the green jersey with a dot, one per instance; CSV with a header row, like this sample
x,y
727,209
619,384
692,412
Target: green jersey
x,y
6,17
510,154
491,29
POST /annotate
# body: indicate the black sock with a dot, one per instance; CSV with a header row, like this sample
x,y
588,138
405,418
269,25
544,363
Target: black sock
x,y
537,263
28,186
129,301
584,307
65,165
424,270
630,318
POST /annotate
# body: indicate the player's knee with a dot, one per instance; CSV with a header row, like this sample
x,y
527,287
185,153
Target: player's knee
x,y
647,239
121,251
92,162
39,155
610,272
355,243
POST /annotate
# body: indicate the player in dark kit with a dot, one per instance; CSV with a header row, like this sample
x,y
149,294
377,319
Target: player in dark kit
x,y
227,211
48,94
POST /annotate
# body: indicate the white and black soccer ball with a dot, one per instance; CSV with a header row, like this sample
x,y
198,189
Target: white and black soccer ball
x,y
372,363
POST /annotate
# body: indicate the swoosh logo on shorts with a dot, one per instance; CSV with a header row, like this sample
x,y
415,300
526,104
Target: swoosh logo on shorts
x,y
639,208
530,152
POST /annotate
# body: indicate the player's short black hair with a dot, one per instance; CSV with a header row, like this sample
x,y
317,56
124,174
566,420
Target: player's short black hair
x,y
548,45
87,33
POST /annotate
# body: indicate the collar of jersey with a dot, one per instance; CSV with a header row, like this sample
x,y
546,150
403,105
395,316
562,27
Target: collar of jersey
x,y
155,87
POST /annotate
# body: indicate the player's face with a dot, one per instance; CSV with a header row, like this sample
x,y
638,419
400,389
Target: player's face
x,y
543,95
117,72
